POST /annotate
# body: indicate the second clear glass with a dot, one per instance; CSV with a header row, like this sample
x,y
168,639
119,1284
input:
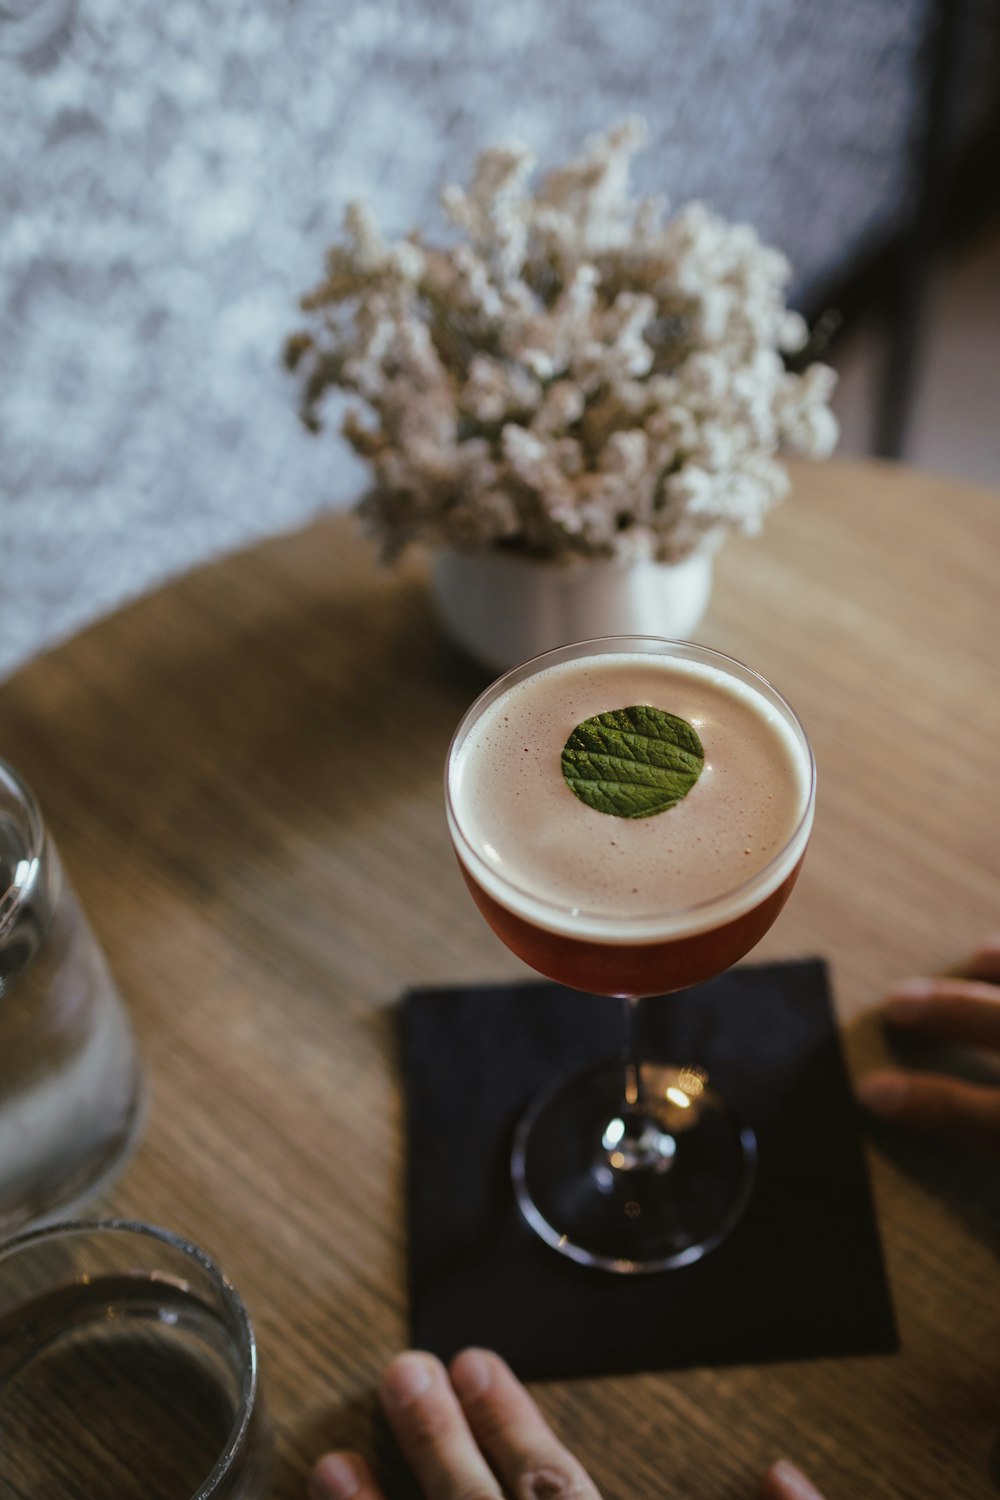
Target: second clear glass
x,y
128,1366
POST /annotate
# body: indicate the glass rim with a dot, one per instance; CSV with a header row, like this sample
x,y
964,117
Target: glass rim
x,y
235,1306
14,894
646,927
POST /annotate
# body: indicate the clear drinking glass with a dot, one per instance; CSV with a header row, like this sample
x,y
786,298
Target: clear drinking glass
x,y
70,1085
640,1164
128,1366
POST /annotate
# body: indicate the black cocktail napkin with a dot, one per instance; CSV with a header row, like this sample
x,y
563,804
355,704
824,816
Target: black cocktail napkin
x,y
800,1276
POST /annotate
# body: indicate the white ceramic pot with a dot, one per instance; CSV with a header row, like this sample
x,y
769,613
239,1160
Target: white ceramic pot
x,y
503,608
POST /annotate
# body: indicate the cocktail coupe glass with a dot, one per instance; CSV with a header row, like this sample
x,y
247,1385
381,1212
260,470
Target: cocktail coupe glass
x,y
639,1164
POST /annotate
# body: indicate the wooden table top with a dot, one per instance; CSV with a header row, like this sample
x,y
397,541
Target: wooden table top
x,y
265,894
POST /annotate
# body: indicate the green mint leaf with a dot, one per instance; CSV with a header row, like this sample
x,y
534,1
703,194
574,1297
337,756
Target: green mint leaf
x,y
632,762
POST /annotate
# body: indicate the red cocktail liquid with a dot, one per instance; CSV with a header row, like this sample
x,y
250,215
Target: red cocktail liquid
x,y
632,969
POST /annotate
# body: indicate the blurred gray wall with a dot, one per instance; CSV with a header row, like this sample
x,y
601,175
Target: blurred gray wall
x,y
170,175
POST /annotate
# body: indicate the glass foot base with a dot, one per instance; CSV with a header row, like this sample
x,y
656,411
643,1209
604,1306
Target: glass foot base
x,y
629,1180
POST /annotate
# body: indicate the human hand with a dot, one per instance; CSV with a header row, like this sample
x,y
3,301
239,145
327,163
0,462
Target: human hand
x,y
954,1010
474,1433
468,1433
783,1481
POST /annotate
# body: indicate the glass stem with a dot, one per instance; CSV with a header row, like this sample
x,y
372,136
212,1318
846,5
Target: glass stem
x,y
634,1098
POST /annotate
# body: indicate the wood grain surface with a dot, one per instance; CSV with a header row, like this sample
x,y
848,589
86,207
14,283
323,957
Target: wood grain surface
x,y
243,773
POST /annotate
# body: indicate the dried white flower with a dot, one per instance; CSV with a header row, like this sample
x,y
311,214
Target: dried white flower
x,y
574,376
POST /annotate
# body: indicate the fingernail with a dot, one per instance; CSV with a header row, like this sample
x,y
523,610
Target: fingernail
x,y
794,1481
407,1377
908,999
333,1478
883,1093
470,1374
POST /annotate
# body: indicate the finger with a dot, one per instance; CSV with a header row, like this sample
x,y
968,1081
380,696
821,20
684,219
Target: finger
x,y
964,1114
342,1476
783,1481
961,1010
521,1446
432,1432
985,962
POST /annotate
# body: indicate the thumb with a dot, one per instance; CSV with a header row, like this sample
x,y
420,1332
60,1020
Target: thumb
x,y
342,1476
783,1481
